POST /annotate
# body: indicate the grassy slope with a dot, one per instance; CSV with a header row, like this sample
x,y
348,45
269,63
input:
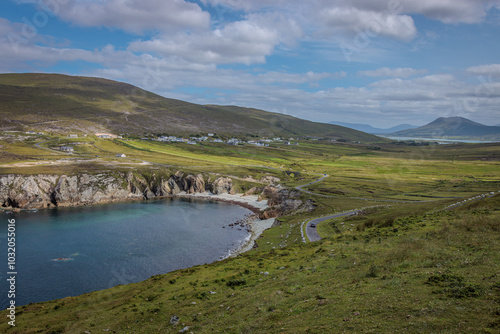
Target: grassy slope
x,y
61,103
369,276
433,273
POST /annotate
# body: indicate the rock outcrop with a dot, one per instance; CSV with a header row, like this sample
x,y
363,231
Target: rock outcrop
x,y
45,191
42,191
222,185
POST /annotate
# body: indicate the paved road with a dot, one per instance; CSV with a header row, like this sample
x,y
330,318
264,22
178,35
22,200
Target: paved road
x,y
312,233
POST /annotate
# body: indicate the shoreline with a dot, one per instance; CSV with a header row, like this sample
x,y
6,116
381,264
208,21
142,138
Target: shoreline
x,y
257,227
251,202
254,226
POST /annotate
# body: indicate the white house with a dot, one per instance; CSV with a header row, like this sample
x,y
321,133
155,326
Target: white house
x,y
106,135
67,148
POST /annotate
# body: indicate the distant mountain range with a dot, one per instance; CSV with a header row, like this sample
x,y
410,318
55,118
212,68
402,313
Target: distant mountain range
x,y
370,129
451,127
69,104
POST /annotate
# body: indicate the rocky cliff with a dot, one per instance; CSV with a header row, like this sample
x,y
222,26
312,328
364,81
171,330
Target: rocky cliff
x,y
42,191
49,191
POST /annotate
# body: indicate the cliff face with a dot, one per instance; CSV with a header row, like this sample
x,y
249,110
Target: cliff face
x,y
47,191
42,191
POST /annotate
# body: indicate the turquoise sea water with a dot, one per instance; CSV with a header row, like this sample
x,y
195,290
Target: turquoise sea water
x,y
70,251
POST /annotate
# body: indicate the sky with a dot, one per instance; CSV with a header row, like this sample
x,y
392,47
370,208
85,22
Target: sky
x,y
377,62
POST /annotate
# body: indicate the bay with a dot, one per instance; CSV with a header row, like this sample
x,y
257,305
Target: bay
x,y
70,251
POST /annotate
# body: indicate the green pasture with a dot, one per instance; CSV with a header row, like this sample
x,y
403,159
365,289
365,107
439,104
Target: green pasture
x,y
417,273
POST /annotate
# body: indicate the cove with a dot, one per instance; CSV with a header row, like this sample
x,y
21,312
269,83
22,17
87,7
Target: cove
x,y
70,251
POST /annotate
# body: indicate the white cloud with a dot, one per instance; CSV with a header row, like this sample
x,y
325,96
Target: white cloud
x,y
175,58
296,78
248,41
447,11
134,16
392,72
492,69
249,5
351,21
450,11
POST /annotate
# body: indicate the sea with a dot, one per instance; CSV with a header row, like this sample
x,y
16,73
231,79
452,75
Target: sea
x,y
70,251
441,141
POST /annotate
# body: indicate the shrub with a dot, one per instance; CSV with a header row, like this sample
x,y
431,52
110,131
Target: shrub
x,y
236,282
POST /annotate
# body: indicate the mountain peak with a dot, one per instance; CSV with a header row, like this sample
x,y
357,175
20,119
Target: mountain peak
x,y
454,120
451,127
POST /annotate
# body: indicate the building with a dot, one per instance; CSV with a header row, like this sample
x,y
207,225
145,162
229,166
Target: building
x,y
67,148
121,155
106,135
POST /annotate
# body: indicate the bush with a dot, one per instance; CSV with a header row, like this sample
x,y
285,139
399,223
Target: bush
x,y
236,282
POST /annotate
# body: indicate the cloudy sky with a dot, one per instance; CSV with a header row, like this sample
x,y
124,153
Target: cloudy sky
x,y
378,62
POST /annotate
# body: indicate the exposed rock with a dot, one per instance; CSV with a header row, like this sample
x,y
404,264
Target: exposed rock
x,y
194,184
41,191
281,201
164,188
174,187
223,185
269,179
252,191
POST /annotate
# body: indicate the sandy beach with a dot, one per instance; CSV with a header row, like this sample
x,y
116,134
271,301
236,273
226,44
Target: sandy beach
x,y
256,226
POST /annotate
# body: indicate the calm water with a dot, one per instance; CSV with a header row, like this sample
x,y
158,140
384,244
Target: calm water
x,y
450,141
70,251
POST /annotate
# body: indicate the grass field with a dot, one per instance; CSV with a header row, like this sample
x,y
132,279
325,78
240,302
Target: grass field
x,y
403,265
424,273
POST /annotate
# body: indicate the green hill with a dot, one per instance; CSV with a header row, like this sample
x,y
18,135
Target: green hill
x,y
452,127
60,103
426,273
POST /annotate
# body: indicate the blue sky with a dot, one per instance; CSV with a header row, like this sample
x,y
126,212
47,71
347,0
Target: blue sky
x,y
378,62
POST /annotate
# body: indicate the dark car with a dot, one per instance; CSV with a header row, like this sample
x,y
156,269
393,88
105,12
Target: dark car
x,y
313,225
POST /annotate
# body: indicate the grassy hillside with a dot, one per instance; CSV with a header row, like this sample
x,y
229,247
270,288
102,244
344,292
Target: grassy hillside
x,y
423,273
406,265
58,103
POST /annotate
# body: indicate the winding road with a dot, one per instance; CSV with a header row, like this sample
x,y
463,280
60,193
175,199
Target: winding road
x,y
312,232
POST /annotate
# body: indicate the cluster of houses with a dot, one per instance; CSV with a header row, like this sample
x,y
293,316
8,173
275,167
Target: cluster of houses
x,y
231,141
99,135
190,141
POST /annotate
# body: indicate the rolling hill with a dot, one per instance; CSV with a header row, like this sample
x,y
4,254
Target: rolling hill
x,y
452,127
62,104
370,129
